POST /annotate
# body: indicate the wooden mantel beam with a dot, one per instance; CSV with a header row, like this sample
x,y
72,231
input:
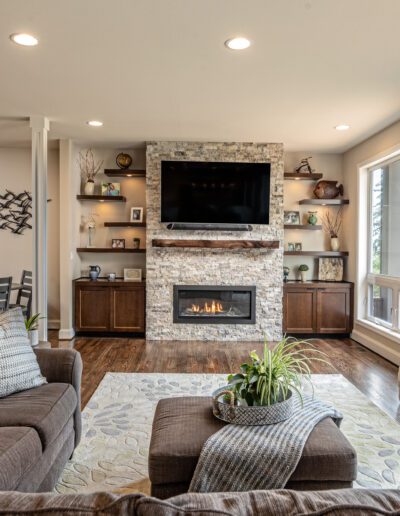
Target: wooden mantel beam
x,y
216,244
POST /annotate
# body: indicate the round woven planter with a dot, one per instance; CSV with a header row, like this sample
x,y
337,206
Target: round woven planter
x,y
244,415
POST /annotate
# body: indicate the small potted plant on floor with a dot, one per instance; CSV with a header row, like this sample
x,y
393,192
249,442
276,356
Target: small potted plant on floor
x,y
32,327
303,272
261,393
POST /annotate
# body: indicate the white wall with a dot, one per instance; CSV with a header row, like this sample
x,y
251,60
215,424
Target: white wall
x,y
331,166
16,250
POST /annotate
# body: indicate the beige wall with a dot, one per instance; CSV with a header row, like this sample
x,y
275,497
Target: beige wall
x,y
134,189
361,153
331,166
16,250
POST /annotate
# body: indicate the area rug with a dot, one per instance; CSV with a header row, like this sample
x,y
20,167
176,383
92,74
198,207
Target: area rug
x,y
117,428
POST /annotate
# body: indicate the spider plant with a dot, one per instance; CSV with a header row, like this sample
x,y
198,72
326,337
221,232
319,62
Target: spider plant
x,y
32,323
269,379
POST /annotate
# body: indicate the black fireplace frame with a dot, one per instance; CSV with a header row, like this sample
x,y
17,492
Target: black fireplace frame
x,y
210,319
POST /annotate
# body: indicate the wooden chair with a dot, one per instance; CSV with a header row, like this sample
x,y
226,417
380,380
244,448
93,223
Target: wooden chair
x,y
24,296
5,291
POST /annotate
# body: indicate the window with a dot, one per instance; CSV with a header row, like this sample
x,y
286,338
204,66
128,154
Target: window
x,y
383,280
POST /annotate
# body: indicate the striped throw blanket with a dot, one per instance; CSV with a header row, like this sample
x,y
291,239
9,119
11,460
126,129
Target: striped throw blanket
x,y
244,458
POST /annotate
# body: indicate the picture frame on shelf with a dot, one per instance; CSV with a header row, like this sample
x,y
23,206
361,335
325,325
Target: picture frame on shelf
x,y
291,247
111,189
298,246
136,214
330,269
132,274
118,243
291,217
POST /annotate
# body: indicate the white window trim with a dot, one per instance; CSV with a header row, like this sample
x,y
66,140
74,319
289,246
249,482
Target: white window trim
x,y
392,283
380,330
363,277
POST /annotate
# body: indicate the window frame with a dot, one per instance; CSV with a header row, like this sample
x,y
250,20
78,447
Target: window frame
x,y
380,280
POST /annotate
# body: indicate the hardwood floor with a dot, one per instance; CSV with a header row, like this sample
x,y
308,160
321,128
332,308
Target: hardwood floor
x,y
372,374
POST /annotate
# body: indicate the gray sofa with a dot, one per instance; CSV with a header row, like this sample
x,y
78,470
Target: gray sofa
x,y
284,502
40,428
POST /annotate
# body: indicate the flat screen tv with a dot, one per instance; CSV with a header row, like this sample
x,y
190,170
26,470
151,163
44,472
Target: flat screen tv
x,y
198,192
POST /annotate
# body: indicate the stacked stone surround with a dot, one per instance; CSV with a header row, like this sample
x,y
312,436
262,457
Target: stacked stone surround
x,y
173,266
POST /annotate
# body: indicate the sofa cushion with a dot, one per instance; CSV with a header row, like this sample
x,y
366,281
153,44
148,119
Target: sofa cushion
x,y
19,369
182,425
348,502
46,409
50,504
20,449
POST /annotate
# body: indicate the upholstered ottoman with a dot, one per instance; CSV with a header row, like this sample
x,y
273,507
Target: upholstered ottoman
x,y
182,425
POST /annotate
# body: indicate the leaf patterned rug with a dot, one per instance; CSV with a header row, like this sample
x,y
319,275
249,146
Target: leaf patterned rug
x,y
117,428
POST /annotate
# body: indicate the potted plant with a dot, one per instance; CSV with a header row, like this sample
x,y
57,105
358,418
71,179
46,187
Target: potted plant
x,y
303,272
89,169
261,393
332,226
32,327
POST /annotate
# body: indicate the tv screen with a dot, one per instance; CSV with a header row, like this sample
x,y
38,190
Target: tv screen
x,y
209,192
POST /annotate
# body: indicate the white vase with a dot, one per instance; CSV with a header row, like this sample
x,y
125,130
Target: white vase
x,y
303,275
33,337
89,188
334,244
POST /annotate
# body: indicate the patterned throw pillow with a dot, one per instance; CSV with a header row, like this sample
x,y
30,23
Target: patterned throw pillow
x,y
19,369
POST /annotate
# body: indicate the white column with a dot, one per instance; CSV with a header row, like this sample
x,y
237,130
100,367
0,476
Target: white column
x,y
67,241
40,127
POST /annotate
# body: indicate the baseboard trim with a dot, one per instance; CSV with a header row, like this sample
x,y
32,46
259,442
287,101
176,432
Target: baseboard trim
x,y
53,324
66,334
378,347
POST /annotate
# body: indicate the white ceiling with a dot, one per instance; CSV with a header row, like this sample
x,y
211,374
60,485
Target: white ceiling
x,y
158,69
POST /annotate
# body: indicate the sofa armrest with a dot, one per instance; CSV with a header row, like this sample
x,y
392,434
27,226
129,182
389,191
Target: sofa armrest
x,y
63,366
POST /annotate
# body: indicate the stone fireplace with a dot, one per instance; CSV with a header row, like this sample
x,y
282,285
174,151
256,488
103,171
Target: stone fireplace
x,y
195,271
194,304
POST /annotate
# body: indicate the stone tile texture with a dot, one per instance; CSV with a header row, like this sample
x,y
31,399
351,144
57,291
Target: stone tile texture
x,y
167,267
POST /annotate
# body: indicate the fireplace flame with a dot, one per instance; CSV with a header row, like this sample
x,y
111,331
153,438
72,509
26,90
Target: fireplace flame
x,y
212,308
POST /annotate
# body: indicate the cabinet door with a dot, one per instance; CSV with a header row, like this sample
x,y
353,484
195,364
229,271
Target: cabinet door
x,y
128,307
92,308
333,310
299,311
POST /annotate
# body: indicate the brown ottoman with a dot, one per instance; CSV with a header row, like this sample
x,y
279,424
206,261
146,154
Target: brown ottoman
x,y
182,425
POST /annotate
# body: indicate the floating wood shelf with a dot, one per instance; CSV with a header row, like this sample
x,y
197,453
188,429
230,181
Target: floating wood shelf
x,y
107,198
325,202
125,224
109,250
302,176
217,244
119,172
309,227
327,254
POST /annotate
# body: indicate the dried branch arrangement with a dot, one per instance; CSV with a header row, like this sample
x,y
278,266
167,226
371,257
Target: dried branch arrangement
x,y
332,224
88,167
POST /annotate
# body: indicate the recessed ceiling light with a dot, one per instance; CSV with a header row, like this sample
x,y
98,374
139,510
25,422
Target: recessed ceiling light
x,y
94,123
26,40
237,43
342,127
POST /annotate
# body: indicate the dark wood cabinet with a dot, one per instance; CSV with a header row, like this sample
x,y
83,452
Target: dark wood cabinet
x,y
318,308
109,306
299,313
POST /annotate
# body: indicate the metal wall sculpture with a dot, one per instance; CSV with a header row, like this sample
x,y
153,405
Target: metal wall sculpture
x,y
15,211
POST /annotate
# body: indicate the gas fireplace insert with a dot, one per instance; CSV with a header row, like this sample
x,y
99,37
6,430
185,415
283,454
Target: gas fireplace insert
x,y
205,304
